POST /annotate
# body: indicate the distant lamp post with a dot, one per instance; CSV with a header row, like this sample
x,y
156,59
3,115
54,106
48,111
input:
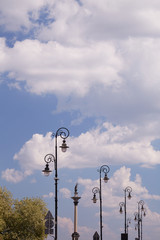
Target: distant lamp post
x,y
63,133
138,217
105,169
124,205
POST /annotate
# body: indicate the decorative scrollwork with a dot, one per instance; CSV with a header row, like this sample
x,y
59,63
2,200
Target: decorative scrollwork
x,y
95,190
141,202
128,189
62,132
49,158
104,169
121,204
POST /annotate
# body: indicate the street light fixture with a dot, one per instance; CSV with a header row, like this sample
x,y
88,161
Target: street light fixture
x,y
124,205
139,218
95,190
48,159
105,169
63,133
128,222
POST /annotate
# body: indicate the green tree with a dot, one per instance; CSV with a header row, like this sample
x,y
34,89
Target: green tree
x,y
21,220
6,204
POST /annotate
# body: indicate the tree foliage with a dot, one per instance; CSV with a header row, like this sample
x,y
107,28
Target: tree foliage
x,y
21,220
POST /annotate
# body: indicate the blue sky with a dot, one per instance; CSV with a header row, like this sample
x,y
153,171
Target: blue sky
x,y
92,67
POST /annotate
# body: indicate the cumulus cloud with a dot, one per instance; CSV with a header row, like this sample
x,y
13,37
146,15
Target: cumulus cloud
x,y
64,70
120,79
112,144
116,145
116,19
31,155
49,195
65,192
17,15
12,175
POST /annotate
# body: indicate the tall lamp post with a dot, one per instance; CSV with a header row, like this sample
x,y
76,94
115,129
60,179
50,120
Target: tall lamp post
x,y
63,133
139,218
124,205
105,169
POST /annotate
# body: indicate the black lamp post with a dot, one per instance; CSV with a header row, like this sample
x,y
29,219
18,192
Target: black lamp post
x,y
139,218
124,205
105,169
63,133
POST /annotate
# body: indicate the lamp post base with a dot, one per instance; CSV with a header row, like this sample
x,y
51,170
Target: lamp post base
x,y
124,236
75,236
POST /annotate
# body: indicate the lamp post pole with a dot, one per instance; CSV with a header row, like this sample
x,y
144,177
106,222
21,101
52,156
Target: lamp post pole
x,y
63,133
105,169
124,204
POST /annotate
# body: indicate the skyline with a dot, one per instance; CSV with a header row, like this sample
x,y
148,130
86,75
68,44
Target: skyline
x,y
92,67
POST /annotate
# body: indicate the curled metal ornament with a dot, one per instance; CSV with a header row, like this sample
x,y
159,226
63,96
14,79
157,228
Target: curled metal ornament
x,y
128,189
104,169
62,132
95,190
121,204
49,158
141,202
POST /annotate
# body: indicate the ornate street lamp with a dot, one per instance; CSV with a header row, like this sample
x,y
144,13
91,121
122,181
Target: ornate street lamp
x,y
138,217
105,169
63,133
124,205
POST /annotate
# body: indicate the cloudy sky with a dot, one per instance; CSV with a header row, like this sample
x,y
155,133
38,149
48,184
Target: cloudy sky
x,y
92,67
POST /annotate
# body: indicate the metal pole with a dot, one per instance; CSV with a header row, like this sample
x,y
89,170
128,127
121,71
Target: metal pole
x,y
100,196
138,222
141,224
125,212
56,187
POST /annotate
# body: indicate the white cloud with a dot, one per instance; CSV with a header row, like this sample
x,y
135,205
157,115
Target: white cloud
x,y
16,15
64,70
67,224
98,21
50,195
74,23
120,79
65,192
31,155
114,144
12,175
